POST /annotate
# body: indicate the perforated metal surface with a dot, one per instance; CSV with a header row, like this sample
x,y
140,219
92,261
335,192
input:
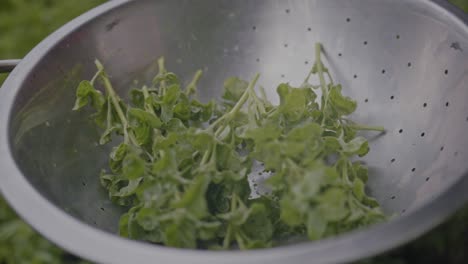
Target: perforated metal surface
x,y
405,62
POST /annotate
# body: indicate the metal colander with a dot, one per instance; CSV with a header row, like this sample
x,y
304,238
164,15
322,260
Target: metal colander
x,y
405,62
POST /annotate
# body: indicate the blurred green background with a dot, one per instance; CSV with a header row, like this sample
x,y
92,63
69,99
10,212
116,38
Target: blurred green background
x,y
24,23
463,4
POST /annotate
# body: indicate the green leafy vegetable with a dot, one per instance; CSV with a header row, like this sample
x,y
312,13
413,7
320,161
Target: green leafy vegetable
x,y
182,166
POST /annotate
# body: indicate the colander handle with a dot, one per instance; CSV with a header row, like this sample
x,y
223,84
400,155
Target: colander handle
x,y
8,65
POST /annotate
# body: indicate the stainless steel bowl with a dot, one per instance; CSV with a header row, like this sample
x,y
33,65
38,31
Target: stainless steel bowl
x,y
405,61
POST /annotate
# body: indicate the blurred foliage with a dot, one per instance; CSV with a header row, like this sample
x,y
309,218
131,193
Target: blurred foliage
x,y
24,23
463,4
20,244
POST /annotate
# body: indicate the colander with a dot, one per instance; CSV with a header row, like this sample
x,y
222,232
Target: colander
x,y
405,62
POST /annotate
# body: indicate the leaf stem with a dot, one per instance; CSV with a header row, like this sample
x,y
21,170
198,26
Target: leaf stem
x,y
109,114
240,241
205,157
263,94
227,238
162,71
306,81
244,97
231,114
367,128
116,103
96,75
320,73
146,95
192,86
330,77
258,103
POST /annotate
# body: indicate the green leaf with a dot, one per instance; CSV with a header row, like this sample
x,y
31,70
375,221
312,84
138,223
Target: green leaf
x,y
167,113
208,230
133,167
142,134
87,94
369,201
142,124
358,189
332,204
156,194
172,95
237,216
175,125
202,141
128,189
182,111
164,142
107,134
358,146
148,219
202,112
293,149
283,90
181,235
145,118
194,199
124,225
290,212
292,102
361,171
234,88
304,133
331,145
137,98
227,158
263,134
166,162
342,105
218,198
127,224
117,156
316,225
258,226
168,78
270,154
233,176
